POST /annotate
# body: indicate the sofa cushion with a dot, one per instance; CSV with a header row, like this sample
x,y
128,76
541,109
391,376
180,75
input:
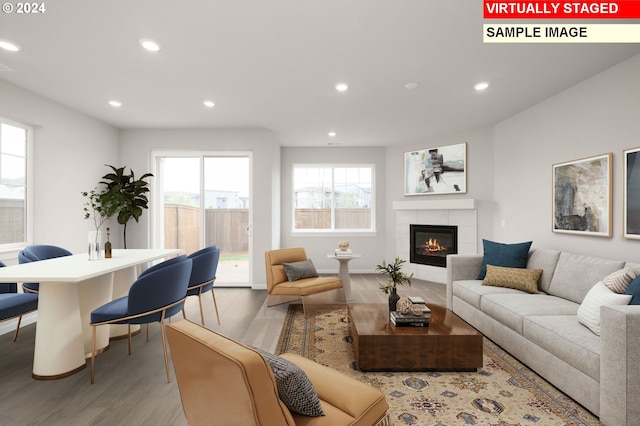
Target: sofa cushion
x,y
518,278
600,295
546,260
618,281
575,275
298,270
471,291
508,255
634,291
294,387
511,309
564,337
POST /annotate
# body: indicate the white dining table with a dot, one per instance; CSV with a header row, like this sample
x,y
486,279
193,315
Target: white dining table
x,y
70,288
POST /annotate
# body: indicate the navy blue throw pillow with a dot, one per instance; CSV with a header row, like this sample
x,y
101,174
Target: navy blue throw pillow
x,y
634,290
505,255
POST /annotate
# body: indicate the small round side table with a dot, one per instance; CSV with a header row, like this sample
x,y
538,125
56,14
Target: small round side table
x,y
343,272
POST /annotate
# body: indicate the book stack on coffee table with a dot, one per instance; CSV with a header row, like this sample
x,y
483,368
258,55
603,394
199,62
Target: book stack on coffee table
x,y
408,320
419,314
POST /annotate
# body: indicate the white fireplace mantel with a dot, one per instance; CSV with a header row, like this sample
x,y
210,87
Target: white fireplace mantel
x,y
461,212
452,204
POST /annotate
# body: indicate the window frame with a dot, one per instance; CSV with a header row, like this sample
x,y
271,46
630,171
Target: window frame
x,y
333,231
28,219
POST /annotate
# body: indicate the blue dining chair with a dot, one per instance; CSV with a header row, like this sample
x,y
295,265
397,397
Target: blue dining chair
x,y
35,253
203,275
158,293
14,304
157,267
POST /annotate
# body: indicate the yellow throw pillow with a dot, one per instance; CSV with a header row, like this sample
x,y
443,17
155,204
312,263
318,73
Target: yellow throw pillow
x,y
518,278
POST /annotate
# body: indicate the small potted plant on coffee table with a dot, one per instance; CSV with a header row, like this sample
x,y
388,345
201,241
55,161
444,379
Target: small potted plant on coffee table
x,y
396,278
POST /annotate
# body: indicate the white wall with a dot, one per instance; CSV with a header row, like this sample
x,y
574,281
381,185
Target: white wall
x,y
599,115
70,150
480,170
371,247
135,149
508,170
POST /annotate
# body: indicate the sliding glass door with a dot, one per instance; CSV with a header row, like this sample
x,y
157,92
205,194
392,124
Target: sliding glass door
x,y
203,199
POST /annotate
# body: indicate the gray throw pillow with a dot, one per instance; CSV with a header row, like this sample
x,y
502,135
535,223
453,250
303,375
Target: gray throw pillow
x,y
298,270
295,389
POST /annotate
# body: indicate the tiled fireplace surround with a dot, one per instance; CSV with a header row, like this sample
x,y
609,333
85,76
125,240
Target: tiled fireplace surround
x,y
460,212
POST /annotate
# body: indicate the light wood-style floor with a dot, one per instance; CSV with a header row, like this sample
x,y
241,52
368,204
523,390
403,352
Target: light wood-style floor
x,y
133,390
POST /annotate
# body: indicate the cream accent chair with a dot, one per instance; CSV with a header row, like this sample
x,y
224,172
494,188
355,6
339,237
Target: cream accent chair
x,y
223,382
281,290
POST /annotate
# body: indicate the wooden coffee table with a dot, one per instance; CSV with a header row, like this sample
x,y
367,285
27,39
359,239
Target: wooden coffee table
x,y
447,344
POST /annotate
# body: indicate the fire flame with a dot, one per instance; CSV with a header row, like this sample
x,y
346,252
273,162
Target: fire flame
x,y
432,245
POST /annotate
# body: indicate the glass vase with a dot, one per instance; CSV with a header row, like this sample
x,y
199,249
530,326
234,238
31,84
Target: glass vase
x,y
95,241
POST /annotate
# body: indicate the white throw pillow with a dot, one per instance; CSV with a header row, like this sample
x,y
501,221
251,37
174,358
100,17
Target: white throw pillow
x,y
599,295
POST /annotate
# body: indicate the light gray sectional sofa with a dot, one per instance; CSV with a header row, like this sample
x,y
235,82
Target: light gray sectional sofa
x,y
542,330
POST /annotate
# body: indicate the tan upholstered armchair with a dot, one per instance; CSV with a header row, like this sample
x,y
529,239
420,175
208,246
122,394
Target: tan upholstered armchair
x,y
281,290
223,382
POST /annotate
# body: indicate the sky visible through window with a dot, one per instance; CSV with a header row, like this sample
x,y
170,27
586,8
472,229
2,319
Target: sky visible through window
x,y
182,174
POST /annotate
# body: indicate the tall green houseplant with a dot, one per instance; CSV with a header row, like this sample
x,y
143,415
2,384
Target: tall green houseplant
x,y
130,195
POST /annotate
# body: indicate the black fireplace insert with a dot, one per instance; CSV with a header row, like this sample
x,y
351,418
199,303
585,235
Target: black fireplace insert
x,y
430,244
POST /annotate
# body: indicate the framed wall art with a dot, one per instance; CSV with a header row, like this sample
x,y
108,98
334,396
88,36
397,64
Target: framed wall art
x,y
631,196
438,170
582,196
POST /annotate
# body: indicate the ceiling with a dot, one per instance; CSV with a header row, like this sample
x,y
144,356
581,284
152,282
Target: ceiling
x,y
274,64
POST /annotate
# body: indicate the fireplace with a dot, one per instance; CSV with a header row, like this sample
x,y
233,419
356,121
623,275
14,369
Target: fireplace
x,y
430,244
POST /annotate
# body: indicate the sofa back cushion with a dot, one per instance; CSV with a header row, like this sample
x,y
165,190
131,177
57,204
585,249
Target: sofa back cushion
x,y
575,275
634,266
546,260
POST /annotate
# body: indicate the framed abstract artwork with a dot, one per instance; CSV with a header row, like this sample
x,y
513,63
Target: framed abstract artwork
x,y
582,196
631,195
438,170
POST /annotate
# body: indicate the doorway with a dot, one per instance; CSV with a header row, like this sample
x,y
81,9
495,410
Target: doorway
x,y
204,199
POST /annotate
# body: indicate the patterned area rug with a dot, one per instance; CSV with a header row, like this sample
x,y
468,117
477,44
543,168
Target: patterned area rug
x,y
503,393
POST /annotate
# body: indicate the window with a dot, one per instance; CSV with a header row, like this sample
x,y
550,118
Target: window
x,y
14,146
333,198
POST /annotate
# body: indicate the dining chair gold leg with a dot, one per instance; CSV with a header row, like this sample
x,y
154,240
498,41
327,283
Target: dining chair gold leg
x,y
93,353
164,348
148,327
184,315
201,311
15,335
215,305
129,337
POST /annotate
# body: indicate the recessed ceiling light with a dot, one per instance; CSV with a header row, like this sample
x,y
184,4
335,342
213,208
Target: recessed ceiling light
x,y
209,104
411,86
332,134
115,104
341,87
150,45
481,86
7,45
